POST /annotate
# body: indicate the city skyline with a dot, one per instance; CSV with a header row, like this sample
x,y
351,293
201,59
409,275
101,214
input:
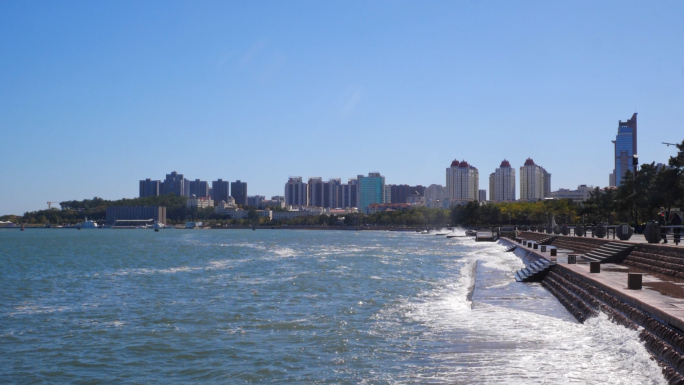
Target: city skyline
x,y
96,97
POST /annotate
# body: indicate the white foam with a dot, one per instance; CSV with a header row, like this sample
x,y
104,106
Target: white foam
x,y
513,346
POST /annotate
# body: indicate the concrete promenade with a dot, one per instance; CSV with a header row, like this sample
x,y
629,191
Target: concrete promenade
x,y
661,296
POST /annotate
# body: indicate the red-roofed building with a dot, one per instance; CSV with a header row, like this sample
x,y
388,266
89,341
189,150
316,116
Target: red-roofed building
x,y
502,183
462,182
535,182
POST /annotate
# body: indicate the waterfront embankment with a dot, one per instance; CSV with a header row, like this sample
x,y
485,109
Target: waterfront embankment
x,y
656,309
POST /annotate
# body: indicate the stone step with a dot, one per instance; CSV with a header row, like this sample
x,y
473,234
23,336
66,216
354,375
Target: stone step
x,y
533,272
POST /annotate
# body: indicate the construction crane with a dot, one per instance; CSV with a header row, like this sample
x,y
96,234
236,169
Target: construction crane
x,y
50,204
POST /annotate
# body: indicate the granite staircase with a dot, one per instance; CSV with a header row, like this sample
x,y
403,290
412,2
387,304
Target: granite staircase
x,y
610,252
534,272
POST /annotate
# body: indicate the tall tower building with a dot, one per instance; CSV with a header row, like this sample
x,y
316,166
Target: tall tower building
x,y
502,183
220,190
463,182
316,191
625,146
349,193
296,192
332,196
238,190
177,184
199,188
150,188
535,182
371,189
435,192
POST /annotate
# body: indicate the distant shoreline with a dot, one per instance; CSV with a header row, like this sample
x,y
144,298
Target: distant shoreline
x,y
345,228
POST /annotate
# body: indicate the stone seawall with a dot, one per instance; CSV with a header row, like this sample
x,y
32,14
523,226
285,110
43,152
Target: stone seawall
x,y
584,298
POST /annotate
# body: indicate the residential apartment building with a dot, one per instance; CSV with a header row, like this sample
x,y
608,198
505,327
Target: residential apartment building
x,y
296,192
402,193
535,182
175,183
198,188
150,188
502,183
332,195
462,182
220,190
238,190
315,191
256,201
435,192
349,193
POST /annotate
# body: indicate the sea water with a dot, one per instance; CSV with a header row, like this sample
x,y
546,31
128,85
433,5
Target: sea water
x,y
289,306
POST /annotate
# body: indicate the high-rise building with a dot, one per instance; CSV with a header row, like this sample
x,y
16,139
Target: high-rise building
x,y
198,188
402,193
435,192
349,193
502,183
535,182
316,189
175,183
371,189
238,190
492,186
220,190
463,182
296,192
332,196
150,188
625,147
482,196
257,201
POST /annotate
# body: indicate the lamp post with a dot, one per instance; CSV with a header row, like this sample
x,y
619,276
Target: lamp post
x,y
635,163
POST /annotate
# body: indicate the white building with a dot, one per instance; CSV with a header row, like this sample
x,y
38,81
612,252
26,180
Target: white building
x,y
276,201
200,203
462,182
232,211
535,182
578,196
502,183
295,212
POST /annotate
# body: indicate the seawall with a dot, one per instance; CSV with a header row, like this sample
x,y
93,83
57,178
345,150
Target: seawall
x,y
584,294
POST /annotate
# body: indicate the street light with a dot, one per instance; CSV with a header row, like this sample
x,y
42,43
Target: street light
x,y
635,163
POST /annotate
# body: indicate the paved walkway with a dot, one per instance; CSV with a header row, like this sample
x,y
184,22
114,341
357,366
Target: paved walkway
x,y
661,296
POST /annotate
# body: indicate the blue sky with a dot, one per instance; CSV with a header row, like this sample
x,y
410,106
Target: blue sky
x,y
97,95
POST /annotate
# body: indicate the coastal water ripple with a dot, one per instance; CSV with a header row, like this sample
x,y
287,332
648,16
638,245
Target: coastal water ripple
x,y
268,306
